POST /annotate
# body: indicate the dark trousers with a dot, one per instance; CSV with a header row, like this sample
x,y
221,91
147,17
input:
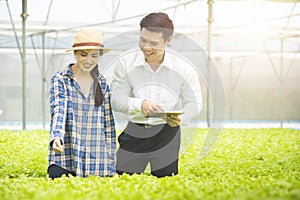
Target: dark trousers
x,y
55,171
158,145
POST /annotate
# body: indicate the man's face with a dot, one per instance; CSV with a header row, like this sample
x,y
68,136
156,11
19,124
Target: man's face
x,y
153,45
87,59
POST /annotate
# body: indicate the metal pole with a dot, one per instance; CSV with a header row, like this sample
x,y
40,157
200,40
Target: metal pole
x,y
24,17
281,84
231,90
210,21
43,82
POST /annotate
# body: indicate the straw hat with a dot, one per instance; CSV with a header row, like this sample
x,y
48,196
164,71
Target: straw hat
x,y
88,39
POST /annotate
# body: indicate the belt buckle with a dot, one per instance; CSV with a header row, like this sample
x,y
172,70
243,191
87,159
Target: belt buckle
x,y
148,125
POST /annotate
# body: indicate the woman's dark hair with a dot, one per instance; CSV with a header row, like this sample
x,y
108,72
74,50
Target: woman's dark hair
x,y
158,22
101,50
97,88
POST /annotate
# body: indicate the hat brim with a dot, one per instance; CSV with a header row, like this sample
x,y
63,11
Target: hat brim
x,y
105,50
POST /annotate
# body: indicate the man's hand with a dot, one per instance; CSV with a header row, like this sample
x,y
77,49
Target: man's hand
x,y
173,120
149,108
57,146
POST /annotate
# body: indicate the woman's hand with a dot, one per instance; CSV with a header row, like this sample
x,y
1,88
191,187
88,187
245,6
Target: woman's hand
x,y
57,146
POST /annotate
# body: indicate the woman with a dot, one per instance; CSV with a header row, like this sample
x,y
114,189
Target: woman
x,y
82,128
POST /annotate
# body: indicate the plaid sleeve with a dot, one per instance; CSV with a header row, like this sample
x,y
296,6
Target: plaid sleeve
x,y
57,108
110,131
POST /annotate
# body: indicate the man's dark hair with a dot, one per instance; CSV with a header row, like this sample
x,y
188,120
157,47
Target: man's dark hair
x,y
158,22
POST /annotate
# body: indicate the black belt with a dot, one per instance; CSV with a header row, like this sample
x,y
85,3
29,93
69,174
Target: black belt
x,y
149,125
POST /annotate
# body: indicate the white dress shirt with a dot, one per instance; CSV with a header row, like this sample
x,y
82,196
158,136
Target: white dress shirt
x,y
174,86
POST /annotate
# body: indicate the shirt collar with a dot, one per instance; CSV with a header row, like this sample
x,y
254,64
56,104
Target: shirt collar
x,y
140,60
67,71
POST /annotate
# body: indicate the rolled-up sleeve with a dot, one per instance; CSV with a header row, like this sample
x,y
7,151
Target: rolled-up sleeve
x,y
191,97
110,133
121,90
58,108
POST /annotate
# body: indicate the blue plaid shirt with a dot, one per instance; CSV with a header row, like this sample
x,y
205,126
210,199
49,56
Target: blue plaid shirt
x,y
88,132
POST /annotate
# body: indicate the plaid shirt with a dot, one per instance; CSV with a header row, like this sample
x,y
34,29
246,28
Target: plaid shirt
x,y
88,132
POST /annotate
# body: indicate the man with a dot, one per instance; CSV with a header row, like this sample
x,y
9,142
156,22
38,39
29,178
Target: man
x,y
147,81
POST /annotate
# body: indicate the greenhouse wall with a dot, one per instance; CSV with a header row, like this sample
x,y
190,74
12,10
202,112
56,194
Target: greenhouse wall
x,y
253,90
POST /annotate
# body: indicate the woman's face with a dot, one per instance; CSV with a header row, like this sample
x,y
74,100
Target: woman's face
x,y
87,59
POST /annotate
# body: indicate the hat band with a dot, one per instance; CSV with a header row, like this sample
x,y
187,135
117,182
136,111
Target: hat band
x,y
88,44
